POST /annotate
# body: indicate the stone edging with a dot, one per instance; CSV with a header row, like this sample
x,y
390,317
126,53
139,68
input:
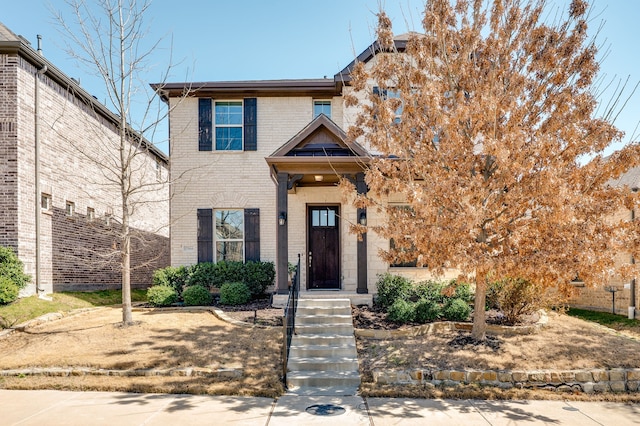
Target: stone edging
x,y
440,326
227,373
586,380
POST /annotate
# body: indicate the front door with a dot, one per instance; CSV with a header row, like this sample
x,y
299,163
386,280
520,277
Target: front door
x,y
323,247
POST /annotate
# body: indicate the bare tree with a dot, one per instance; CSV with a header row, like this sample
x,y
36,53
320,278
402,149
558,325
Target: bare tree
x,y
109,38
484,123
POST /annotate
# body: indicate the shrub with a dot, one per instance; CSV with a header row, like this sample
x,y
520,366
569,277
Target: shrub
x,y
429,290
203,274
162,295
516,297
234,293
172,276
456,309
258,276
462,291
12,268
402,311
228,272
196,295
8,291
392,288
427,310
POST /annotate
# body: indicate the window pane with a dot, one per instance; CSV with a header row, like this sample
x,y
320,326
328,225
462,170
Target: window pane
x,y
229,251
315,218
229,224
229,138
228,113
332,218
321,107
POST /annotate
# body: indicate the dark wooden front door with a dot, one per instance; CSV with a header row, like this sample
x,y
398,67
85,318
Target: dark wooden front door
x,y
324,247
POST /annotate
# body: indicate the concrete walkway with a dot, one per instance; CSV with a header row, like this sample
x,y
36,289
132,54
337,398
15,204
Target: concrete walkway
x,y
52,408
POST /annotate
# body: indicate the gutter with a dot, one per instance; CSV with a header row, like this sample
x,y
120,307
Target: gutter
x,y
632,285
38,213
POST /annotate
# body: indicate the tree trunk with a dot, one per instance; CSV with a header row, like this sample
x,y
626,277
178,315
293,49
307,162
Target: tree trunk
x,y
127,315
479,329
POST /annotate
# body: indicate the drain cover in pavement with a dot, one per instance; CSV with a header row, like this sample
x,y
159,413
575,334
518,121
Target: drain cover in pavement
x,y
325,410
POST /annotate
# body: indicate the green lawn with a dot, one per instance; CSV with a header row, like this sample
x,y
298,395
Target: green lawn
x,y
31,307
607,319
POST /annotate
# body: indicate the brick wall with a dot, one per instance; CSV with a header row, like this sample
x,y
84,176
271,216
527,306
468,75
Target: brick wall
x,y
8,152
75,143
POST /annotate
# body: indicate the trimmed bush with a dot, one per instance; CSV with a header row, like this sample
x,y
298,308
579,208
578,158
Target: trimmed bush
x,y
258,276
235,293
392,288
463,291
516,297
12,268
456,310
196,295
429,290
162,295
402,311
427,310
8,291
203,274
172,276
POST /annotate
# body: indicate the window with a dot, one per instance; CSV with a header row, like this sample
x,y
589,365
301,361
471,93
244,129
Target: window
x,y
91,214
229,235
321,107
323,218
45,202
391,94
158,170
228,126
232,235
69,208
403,246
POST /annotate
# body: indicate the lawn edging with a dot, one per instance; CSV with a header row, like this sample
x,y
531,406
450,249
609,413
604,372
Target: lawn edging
x,y
440,326
584,380
226,373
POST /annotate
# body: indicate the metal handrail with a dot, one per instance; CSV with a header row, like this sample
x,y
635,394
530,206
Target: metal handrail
x,y
289,319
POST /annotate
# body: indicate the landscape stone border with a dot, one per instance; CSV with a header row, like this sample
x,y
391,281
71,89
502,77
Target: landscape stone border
x,y
586,380
226,373
441,326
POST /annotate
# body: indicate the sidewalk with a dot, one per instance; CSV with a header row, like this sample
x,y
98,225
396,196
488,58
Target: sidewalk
x,y
48,407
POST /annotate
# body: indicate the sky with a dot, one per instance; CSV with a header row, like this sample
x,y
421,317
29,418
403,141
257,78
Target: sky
x,y
221,40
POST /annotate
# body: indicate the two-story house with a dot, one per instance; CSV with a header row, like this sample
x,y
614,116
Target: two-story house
x,y
260,161
58,204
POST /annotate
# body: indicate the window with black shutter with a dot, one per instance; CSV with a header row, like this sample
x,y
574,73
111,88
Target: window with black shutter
x,y
205,235
252,234
250,124
205,120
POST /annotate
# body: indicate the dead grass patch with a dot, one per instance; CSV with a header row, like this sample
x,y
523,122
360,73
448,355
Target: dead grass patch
x,y
159,339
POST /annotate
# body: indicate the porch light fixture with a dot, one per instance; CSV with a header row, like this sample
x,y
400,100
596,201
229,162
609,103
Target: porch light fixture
x,y
282,219
318,178
363,219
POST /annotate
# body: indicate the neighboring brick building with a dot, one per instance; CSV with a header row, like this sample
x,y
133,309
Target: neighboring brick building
x,y
626,291
263,159
47,125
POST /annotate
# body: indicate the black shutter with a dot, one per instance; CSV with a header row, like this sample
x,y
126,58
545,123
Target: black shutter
x,y
205,119
250,124
205,235
252,234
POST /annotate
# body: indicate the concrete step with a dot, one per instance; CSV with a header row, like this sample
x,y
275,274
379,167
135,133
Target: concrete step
x,y
338,351
324,303
321,318
325,311
322,339
323,391
322,379
323,364
328,329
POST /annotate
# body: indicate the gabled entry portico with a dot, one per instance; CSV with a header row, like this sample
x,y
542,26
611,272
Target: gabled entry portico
x,y
311,163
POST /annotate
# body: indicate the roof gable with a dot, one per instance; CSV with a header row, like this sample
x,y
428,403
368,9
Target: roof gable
x,y
320,138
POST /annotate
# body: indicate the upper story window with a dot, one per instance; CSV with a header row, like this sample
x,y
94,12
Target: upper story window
x,y
45,202
228,125
391,94
70,208
322,107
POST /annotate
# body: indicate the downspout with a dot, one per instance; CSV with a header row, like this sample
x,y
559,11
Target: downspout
x,y
632,286
40,72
